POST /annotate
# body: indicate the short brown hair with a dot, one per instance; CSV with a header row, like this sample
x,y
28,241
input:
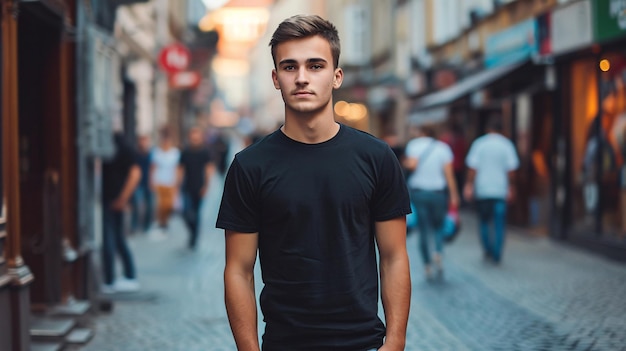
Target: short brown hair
x,y
303,26
428,129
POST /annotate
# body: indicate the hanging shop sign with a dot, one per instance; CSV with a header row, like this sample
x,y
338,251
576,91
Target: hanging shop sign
x,y
512,45
185,80
174,58
572,27
609,19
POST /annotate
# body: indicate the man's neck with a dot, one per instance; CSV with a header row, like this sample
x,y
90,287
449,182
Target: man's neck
x,y
313,130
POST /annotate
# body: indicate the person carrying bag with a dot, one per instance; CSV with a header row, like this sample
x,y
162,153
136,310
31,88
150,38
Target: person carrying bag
x,y
433,192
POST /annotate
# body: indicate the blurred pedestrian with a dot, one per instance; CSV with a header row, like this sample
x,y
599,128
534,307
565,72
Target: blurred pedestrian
x,y
391,138
314,197
163,171
219,147
433,189
142,207
120,176
492,162
194,173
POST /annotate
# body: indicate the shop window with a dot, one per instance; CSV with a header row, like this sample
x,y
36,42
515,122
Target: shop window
x,y
598,134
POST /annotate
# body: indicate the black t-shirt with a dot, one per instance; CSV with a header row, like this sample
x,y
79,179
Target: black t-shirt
x,y
116,170
314,207
194,162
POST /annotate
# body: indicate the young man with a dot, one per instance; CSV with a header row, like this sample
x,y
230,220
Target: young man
x,y
194,173
313,198
492,162
120,176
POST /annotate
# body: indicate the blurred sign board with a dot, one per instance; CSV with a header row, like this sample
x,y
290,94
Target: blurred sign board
x,y
512,45
609,19
174,58
571,27
185,80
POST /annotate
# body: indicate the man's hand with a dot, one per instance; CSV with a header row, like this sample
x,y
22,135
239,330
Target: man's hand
x,y
119,204
510,195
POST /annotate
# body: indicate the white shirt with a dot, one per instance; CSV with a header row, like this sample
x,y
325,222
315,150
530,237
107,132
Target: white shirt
x,y
165,164
492,156
429,173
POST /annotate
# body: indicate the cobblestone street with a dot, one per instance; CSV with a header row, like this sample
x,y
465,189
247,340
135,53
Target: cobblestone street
x,y
544,296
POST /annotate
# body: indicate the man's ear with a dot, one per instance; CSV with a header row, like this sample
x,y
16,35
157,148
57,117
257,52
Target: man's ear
x,y
338,79
275,79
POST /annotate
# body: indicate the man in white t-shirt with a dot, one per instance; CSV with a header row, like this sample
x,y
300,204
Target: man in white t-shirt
x,y
431,180
492,161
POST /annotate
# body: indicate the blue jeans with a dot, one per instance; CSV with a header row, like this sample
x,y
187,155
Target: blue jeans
x,y
114,241
431,208
492,211
142,197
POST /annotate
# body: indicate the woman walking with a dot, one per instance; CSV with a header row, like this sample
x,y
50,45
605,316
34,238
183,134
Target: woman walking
x,y
163,180
431,184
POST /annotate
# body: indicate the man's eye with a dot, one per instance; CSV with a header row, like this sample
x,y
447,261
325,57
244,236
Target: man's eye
x,y
289,68
316,67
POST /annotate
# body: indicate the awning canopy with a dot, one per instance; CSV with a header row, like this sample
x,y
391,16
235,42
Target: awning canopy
x,y
464,87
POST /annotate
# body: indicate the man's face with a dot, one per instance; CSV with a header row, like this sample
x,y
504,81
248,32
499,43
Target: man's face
x,y
305,74
195,137
144,143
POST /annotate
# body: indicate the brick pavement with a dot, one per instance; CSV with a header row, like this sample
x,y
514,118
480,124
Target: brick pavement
x,y
544,296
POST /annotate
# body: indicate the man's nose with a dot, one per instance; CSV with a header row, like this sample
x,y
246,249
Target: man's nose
x,y
302,77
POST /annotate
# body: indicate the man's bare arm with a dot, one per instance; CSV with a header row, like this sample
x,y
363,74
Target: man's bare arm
x,y
468,191
180,176
510,195
241,251
395,278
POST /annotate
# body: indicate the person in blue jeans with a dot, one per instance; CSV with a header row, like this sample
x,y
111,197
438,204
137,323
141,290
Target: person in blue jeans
x,y
431,182
120,175
194,172
492,161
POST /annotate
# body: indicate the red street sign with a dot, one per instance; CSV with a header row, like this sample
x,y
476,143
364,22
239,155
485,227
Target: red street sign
x,y
174,58
185,80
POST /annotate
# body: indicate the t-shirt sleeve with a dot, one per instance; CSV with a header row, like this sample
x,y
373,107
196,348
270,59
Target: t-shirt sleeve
x,y
239,209
472,157
513,160
412,149
391,197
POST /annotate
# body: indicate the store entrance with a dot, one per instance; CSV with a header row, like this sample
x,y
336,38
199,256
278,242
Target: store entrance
x,y
39,152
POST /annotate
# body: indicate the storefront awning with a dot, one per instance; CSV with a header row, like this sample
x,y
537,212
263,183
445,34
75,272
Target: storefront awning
x,y
464,87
